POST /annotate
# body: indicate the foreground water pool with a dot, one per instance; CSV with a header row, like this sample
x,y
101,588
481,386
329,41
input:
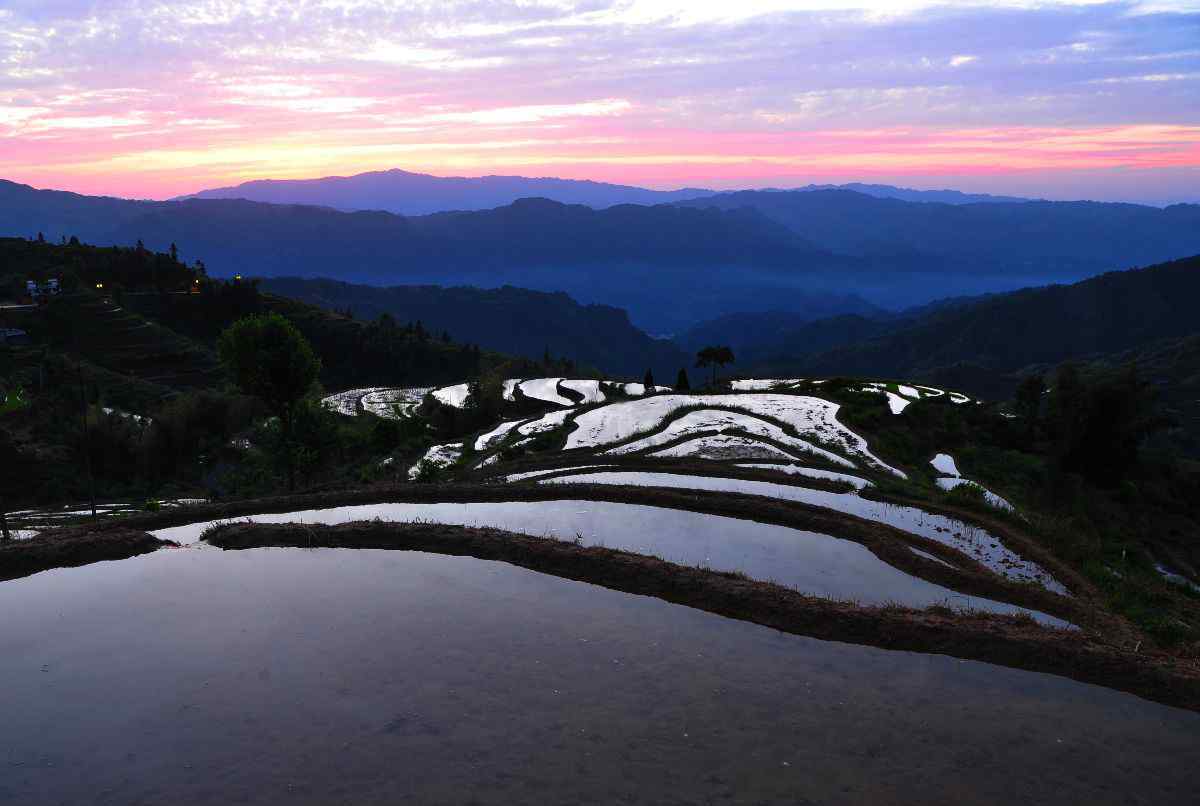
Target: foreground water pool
x,y
340,676
814,563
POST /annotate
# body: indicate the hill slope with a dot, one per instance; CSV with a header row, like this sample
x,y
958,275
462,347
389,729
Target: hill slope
x,y
1114,312
510,320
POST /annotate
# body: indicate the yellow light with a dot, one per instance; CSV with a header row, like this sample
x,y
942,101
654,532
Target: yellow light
x,y
99,285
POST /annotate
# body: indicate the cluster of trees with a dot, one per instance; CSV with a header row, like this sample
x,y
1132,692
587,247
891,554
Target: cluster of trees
x,y
1092,426
357,353
267,358
81,266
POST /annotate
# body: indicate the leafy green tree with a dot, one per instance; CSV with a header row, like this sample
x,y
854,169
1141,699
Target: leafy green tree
x,y
714,356
682,384
268,358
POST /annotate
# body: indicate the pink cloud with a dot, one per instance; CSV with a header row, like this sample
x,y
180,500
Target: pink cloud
x,y
160,98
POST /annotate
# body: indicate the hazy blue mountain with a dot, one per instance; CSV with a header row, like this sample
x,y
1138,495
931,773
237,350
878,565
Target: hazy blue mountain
x,y
1035,239
670,266
409,193
512,320
913,195
1005,333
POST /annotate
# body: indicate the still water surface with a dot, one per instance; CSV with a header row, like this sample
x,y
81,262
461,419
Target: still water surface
x,y
370,677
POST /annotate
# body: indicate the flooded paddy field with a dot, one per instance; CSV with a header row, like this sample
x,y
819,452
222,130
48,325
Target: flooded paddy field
x,y
360,676
814,563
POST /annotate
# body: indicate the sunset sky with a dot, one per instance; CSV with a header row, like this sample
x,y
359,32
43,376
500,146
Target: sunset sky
x,y
154,98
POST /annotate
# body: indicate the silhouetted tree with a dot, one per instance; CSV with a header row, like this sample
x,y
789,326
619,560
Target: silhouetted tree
x,y
714,356
648,380
681,381
174,252
268,358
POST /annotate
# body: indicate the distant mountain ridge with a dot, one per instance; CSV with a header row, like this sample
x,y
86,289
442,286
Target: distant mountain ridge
x,y
670,265
408,193
944,196
1057,240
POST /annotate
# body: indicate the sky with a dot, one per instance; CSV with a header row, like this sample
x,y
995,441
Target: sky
x,y
1054,99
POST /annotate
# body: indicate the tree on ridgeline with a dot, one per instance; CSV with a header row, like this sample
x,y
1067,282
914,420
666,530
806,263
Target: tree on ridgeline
x,y
682,384
714,356
268,358
648,381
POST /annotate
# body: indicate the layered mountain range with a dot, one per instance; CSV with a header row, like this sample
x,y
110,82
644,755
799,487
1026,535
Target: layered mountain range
x,y
670,265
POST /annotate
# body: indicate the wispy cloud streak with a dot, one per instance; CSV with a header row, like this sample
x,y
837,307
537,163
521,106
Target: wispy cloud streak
x,y
158,97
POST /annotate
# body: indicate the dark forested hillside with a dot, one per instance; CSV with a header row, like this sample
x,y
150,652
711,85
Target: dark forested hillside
x,y
756,335
510,320
1115,312
144,325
